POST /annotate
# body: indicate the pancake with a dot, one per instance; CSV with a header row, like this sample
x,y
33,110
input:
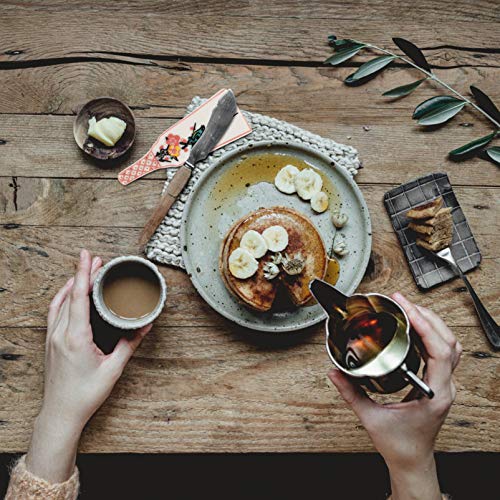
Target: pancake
x,y
259,293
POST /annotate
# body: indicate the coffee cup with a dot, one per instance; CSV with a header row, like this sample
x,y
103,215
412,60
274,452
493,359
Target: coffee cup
x,y
129,292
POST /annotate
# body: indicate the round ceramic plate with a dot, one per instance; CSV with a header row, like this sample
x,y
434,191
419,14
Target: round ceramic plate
x,y
241,182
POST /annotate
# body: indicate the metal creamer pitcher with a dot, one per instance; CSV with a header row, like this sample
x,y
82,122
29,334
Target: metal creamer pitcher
x,y
369,338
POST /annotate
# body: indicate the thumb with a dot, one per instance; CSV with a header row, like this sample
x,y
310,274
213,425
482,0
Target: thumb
x,y
353,395
125,347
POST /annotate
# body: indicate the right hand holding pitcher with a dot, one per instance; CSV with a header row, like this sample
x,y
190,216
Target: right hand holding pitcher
x,y
404,433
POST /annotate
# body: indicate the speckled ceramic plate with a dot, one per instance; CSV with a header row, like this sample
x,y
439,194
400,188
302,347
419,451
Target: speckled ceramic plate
x,y
239,183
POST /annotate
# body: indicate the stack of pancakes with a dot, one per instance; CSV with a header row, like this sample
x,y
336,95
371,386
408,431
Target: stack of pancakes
x,y
433,225
259,293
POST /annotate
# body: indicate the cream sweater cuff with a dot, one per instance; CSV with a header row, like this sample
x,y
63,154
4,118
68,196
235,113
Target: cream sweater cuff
x,y
24,485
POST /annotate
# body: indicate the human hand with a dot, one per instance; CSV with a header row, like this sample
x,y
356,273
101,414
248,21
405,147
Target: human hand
x,y
404,433
78,375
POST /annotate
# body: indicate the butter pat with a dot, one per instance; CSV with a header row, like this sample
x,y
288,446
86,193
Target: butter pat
x,y
107,130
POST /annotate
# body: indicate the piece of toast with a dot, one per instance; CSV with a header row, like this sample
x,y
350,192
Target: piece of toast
x,y
420,228
434,247
441,234
426,229
427,210
443,215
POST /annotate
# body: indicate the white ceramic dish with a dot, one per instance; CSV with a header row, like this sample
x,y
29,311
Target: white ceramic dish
x,y
209,214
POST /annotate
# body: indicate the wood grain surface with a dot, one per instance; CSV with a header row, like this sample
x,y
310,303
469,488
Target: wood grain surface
x,y
199,383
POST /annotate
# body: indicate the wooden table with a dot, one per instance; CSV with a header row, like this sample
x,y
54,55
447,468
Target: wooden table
x,y
198,383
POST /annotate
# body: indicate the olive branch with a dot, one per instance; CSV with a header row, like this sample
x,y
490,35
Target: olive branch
x,y
433,111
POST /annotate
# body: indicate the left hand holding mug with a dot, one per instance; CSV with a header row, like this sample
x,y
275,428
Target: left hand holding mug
x,y
78,376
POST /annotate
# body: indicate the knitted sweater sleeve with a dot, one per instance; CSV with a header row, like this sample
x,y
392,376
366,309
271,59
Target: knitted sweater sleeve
x,y
25,486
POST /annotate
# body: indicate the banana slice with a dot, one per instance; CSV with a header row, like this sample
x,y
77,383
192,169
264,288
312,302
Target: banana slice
x,y
285,179
319,202
242,264
254,243
308,183
276,238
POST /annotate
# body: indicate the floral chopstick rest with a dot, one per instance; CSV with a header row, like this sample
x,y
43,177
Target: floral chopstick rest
x,y
172,147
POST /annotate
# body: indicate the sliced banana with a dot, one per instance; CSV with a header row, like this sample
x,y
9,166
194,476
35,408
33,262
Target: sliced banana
x,y
319,202
254,243
308,183
242,264
276,238
285,179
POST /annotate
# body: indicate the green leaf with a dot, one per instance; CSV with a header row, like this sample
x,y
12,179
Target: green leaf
x,y
413,52
485,103
332,40
494,154
403,89
340,44
344,54
472,146
437,110
433,103
370,67
442,114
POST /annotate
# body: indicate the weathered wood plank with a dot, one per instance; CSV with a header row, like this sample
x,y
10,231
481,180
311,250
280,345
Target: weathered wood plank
x,y
163,91
36,261
392,149
221,390
236,33
313,9
37,201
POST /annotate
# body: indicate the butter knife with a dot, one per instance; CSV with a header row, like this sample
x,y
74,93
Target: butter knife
x,y
220,119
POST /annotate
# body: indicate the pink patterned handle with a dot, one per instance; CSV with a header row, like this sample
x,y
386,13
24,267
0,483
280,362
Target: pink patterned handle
x,y
147,164
171,149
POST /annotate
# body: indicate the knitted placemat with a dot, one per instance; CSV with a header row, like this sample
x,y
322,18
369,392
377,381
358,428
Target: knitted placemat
x,y
165,246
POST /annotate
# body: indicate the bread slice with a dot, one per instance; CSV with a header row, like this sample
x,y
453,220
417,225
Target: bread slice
x,y
442,234
427,210
425,229
433,225
443,215
420,228
434,247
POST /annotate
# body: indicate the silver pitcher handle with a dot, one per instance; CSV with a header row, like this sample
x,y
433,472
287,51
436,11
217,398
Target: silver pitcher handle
x,y
416,382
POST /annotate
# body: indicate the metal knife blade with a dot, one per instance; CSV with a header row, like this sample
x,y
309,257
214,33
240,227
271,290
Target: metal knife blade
x,y
221,118
219,121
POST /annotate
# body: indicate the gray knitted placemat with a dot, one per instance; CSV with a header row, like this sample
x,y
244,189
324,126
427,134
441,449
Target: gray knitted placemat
x,y
165,246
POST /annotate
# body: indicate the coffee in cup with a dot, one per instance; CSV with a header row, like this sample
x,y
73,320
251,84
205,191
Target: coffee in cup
x,y
129,292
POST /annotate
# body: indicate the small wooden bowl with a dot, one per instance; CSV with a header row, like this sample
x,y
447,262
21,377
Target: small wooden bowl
x,y
104,107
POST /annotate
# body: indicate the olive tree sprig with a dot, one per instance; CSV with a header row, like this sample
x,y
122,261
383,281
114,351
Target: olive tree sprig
x,y
433,111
